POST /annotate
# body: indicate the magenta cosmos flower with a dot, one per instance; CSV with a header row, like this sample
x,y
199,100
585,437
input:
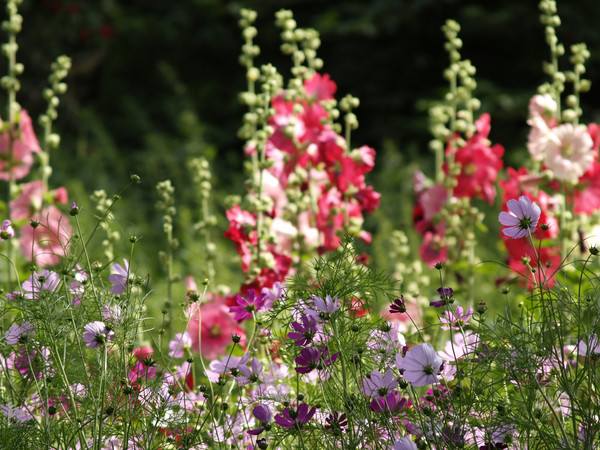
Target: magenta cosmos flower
x,y
522,219
420,366
295,419
247,306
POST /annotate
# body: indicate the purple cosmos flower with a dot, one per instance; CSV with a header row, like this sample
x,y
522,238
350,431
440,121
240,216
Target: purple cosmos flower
x,y
120,278
251,374
405,444
96,334
18,333
312,358
393,402
273,294
246,306
456,321
336,422
522,219
446,295
263,414
379,386
420,366
291,418
15,413
399,306
323,308
592,345
306,331
38,283
33,363
7,230
177,345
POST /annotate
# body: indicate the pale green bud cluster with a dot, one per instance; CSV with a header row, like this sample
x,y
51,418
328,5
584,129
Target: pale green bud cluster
x,y
166,204
103,215
300,43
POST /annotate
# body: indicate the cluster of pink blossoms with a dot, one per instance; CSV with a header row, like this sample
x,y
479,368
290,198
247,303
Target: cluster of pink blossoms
x,y
48,241
307,158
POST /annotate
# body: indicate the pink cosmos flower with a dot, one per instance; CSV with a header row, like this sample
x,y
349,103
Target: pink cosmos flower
x,y
456,321
7,231
420,366
97,334
38,283
179,344
569,152
216,329
48,243
522,219
379,386
25,145
15,413
19,333
120,278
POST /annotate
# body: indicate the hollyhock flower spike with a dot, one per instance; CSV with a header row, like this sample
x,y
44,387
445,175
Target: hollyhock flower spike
x,y
522,219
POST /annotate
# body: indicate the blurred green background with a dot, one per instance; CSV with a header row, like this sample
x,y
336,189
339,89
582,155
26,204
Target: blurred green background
x,y
155,82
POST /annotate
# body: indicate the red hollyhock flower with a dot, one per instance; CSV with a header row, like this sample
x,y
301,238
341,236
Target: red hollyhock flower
x,y
241,233
479,163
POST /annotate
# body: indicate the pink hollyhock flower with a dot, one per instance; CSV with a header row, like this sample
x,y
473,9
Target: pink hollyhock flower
x,y
433,249
479,163
29,200
97,334
7,231
49,242
420,366
569,152
25,145
587,192
543,105
120,278
522,219
216,329
320,87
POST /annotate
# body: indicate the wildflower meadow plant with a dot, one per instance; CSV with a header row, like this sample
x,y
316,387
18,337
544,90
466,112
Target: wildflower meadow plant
x,y
312,346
